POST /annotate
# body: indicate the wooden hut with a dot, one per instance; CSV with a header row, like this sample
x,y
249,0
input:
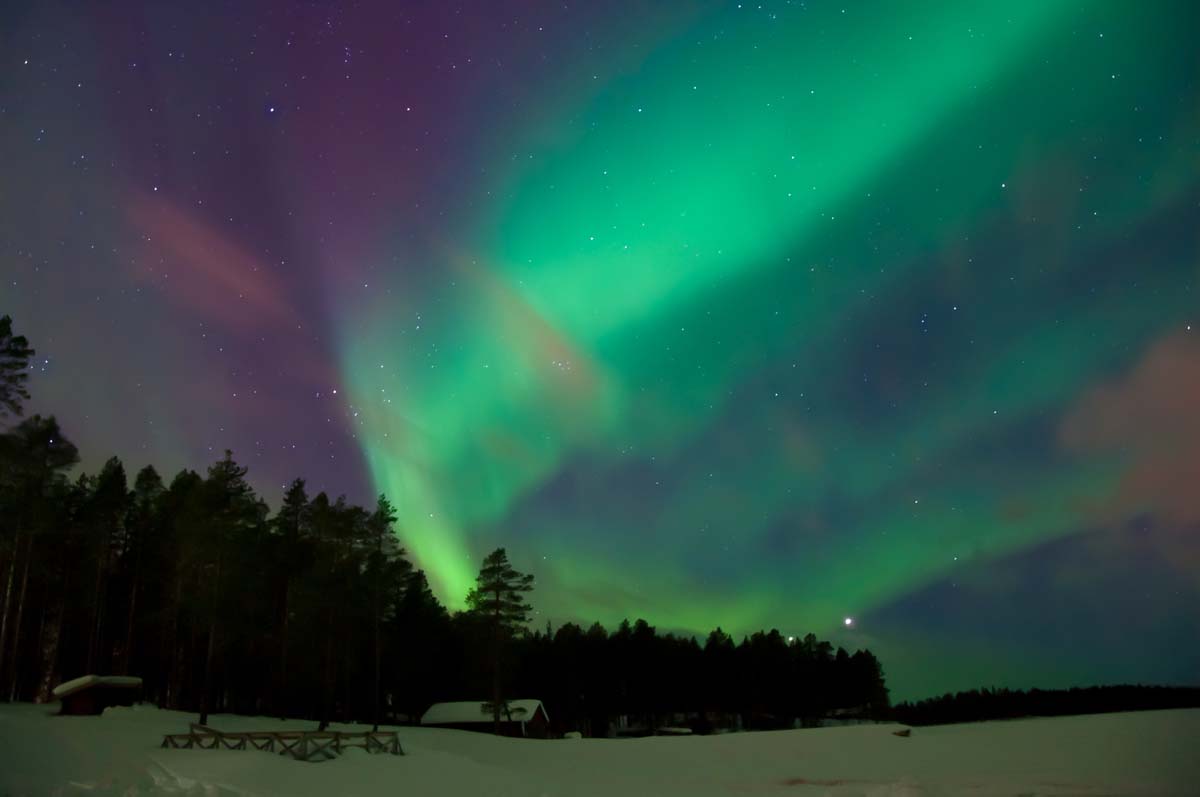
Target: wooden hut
x,y
524,718
91,694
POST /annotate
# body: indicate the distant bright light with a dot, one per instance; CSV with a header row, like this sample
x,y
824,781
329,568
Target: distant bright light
x,y
791,639
849,621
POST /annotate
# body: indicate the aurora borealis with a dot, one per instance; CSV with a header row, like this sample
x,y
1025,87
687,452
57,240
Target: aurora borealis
x,y
757,315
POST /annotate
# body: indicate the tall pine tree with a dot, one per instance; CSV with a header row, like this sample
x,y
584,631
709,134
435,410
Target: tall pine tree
x,y
379,530
232,509
293,539
498,599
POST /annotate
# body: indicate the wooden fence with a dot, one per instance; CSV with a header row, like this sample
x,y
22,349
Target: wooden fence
x,y
301,745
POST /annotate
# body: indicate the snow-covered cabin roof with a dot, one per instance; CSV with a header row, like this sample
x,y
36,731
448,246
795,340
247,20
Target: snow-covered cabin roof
x,y
475,711
85,681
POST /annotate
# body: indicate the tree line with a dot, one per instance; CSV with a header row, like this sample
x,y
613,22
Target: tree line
x,y
767,681
315,611
978,705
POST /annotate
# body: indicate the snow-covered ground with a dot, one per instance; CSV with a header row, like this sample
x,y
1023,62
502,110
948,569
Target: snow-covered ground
x,y
118,754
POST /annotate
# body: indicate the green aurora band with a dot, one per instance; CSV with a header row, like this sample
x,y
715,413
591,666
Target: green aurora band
x,y
624,367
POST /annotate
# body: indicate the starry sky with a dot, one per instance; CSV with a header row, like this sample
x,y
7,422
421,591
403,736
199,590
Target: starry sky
x,y
758,315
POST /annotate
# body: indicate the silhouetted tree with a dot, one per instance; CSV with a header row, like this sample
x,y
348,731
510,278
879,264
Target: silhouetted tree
x,y
719,671
106,509
232,510
14,369
33,455
379,531
181,561
142,527
498,599
291,527
420,626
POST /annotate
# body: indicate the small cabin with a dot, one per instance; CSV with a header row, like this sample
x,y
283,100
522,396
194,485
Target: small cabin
x,y
91,694
522,719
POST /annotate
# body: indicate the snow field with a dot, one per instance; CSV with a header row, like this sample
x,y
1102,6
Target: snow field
x,y
118,754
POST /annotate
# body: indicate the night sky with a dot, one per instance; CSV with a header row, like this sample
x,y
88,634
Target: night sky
x,y
759,315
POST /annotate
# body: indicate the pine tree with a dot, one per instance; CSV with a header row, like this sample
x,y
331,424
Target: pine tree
x,y
231,508
498,599
107,510
292,528
420,623
14,369
32,458
140,527
379,527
